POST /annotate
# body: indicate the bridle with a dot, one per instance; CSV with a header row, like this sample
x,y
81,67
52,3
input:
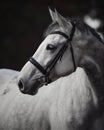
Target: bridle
x,y
46,71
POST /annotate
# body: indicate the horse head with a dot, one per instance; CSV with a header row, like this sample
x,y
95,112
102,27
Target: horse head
x,y
61,52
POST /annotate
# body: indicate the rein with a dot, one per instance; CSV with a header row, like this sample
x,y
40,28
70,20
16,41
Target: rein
x,y
46,71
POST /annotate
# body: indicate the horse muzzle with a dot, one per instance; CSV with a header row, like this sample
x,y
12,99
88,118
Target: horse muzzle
x,y
32,88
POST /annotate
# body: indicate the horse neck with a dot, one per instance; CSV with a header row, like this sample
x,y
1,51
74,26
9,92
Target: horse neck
x,y
76,86
93,64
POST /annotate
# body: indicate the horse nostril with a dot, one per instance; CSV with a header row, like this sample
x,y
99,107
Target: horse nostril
x,y
21,85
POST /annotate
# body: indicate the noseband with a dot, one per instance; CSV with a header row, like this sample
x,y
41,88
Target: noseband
x,y
46,71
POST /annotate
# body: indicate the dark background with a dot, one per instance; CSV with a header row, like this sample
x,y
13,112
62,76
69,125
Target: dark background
x,y
23,23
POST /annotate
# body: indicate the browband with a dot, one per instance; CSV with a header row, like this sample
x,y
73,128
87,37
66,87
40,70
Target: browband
x,y
60,33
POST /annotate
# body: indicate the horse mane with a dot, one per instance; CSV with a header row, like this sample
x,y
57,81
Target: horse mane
x,y
79,24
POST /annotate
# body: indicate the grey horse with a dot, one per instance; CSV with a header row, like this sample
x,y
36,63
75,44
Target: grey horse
x,y
70,64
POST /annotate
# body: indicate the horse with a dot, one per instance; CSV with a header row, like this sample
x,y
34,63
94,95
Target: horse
x,y
61,85
69,43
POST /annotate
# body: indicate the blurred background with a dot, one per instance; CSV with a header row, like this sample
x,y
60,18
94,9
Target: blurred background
x,y
23,23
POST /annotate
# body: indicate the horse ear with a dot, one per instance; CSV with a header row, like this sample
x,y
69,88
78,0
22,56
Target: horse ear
x,y
62,22
52,14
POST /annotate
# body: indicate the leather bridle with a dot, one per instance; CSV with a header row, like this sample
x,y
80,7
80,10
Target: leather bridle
x,y
46,71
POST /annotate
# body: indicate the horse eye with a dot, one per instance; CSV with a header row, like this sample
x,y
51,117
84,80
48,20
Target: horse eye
x,y
50,47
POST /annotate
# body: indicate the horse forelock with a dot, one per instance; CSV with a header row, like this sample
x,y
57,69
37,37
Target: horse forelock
x,y
55,26
80,25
